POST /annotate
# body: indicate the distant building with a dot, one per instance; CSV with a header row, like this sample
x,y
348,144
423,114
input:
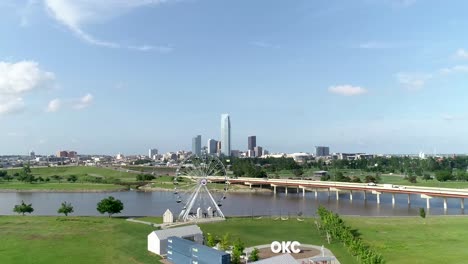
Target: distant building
x,y
258,151
235,153
66,154
265,152
61,154
196,145
251,142
152,152
225,135
251,153
32,155
218,147
321,151
120,156
212,146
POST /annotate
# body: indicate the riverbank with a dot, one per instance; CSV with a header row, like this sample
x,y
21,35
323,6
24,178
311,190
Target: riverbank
x,y
9,187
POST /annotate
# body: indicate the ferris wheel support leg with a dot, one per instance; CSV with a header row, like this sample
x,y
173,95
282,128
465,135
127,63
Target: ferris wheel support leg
x,y
192,201
218,210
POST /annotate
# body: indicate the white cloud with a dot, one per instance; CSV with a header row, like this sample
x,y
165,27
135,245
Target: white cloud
x,y
375,45
161,49
262,44
54,105
462,54
23,76
74,14
413,81
347,90
11,105
449,117
84,101
454,69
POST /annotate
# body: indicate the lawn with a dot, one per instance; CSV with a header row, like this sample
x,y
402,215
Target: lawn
x,y
264,231
441,239
48,240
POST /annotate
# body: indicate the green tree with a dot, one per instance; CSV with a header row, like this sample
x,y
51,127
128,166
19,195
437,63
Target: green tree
x,y
210,240
72,178
444,175
3,174
422,212
65,208
23,208
412,179
298,172
427,176
225,242
110,206
254,255
237,251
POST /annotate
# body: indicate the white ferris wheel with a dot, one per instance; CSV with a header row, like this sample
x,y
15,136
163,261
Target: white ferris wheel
x,y
200,186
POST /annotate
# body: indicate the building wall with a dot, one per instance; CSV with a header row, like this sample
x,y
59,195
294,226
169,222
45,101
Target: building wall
x,y
251,142
212,146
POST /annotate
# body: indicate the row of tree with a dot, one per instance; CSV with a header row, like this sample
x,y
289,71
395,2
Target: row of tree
x,y
335,228
108,205
236,246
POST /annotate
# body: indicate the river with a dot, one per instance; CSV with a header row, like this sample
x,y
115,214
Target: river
x,y
236,204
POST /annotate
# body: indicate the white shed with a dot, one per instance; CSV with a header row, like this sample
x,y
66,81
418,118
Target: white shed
x,y
157,240
168,217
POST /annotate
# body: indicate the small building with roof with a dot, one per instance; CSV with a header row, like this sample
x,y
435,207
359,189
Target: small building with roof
x,y
157,240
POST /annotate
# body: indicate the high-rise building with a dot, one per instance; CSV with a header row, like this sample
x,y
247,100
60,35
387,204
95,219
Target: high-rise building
x,y
225,135
196,145
152,152
258,151
218,147
321,151
212,146
252,142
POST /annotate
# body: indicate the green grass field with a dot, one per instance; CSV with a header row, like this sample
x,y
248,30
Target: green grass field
x,y
264,231
48,240
441,239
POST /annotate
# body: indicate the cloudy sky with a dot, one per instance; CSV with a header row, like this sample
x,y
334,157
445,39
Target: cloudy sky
x,y
108,76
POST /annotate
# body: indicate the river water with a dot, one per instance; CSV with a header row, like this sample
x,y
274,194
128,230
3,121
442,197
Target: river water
x,y
236,204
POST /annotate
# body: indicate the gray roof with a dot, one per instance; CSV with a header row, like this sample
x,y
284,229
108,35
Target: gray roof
x,y
280,259
178,232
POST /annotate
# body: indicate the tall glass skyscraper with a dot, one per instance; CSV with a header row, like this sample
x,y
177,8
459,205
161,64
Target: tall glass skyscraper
x,y
196,145
225,135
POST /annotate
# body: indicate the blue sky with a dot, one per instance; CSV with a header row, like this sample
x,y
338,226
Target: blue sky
x,y
108,76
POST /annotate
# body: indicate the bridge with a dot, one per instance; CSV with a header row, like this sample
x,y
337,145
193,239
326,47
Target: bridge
x,y
337,187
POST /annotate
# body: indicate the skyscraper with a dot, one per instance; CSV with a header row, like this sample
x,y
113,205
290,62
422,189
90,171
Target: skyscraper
x,y
212,146
196,145
321,151
258,151
152,152
225,135
252,142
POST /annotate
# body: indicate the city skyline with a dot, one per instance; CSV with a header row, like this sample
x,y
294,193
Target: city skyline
x,y
295,74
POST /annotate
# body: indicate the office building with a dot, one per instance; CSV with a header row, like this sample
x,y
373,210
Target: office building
x,y
321,151
251,142
258,151
152,153
196,145
225,135
212,146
